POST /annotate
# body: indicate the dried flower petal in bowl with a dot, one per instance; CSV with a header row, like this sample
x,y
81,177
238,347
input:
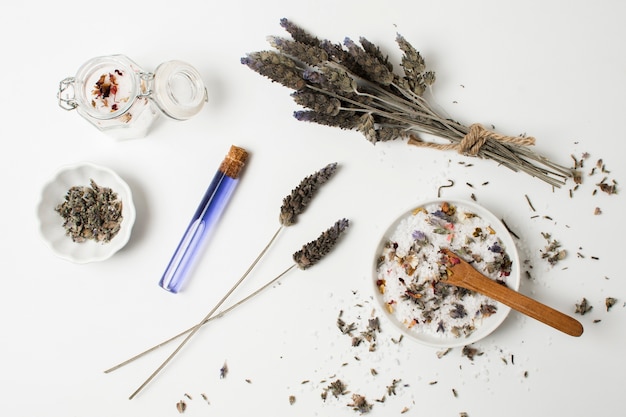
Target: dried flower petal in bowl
x,y
86,213
408,272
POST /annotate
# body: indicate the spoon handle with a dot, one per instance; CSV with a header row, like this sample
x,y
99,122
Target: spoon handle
x,y
464,275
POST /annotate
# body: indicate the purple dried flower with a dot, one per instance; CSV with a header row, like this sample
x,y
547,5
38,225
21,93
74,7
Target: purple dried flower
x,y
495,248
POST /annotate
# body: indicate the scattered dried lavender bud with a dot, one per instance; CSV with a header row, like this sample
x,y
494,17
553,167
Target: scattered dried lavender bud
x,y
609,302
336,388
552,252
391,389
360,404
470,352
583,307
577,177
607,188
442,353
224,371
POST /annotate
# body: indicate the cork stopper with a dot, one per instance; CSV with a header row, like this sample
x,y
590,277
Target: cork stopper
x,y
234,161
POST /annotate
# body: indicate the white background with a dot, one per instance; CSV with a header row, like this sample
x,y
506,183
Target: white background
x,y
552,69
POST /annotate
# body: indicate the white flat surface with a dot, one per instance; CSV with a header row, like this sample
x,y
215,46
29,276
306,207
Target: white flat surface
x,y
554,70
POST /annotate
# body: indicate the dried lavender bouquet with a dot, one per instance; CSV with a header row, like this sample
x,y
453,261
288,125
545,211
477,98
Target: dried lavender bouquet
x,y
354,87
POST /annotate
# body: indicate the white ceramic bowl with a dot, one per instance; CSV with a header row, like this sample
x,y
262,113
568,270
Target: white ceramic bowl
x,y
51,223
486,325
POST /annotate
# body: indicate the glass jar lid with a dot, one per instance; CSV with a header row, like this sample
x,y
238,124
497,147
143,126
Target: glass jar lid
x,y
178,90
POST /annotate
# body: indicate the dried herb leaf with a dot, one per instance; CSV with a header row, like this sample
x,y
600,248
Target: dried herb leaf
x,y
91,213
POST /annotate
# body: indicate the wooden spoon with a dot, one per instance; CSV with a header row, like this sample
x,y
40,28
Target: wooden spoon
x,y
462,274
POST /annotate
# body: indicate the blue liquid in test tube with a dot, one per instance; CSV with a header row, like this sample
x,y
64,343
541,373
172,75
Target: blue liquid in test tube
x,y
204,219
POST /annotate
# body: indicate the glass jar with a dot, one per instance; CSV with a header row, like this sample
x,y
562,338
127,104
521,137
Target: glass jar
x,y
122,100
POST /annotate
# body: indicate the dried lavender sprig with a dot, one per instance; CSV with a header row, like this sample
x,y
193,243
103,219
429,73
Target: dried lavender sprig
x,y
293,205
317,102
296,202
309,54
375,52
310,254
299,34
371,67
276,67
343,120
314,251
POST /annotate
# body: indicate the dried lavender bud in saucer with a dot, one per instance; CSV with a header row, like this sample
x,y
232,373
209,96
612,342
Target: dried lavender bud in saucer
x,y
296,202
91,213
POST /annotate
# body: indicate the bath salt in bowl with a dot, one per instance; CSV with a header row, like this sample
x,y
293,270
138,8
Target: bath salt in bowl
x,y
409,273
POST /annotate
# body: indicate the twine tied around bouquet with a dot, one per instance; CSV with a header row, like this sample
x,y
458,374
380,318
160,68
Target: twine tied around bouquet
x,y
473,141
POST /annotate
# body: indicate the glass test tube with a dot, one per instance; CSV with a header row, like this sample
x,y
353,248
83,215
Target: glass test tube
x,y
204,219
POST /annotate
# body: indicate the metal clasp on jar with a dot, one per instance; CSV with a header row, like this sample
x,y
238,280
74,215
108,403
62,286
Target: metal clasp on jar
x,y
146,84
66,94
